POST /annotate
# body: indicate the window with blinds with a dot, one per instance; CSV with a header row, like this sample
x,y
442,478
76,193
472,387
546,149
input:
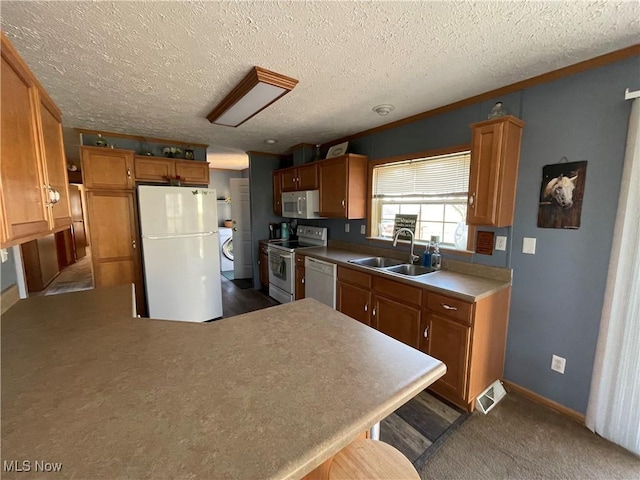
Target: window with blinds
x,y
434,188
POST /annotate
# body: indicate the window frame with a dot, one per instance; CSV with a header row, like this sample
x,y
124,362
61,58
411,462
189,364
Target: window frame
x,y
471,231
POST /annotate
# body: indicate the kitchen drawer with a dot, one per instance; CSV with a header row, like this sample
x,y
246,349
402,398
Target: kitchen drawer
x,y
355,277
397,290
450,307
300,259
264,249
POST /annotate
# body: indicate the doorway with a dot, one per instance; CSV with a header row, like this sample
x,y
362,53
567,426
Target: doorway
x,y
241,229
60,262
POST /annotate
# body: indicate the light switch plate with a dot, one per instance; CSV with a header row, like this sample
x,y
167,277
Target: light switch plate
x,y
529,245
501,243
4,255
346,227
363,229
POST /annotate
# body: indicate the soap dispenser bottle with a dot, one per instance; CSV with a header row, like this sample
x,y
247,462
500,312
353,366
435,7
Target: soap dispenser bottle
x,y
436,258
426,256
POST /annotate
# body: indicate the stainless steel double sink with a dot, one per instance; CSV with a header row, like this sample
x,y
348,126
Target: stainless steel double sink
x,y
394,266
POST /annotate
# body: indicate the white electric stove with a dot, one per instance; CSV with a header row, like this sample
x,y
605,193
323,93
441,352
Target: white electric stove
x,y
282,265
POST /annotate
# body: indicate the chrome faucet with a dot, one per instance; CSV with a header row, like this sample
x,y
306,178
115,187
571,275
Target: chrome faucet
x,y
412,257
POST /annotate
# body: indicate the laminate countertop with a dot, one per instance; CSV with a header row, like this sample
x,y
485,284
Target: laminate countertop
x,y
268,394
457,284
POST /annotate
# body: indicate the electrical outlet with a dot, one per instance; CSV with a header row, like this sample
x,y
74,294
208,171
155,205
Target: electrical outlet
x,y
501,243
363,229
346,227
529,245
558,363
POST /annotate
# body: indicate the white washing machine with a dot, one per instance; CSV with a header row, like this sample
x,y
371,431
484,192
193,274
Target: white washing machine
x,y
226,249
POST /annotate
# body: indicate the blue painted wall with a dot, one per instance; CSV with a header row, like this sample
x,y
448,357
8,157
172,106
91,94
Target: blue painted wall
x,y
261,188
141,148
557,293
8,275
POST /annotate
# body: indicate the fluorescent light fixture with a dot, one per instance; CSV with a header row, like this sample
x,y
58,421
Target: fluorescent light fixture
x,y
259,89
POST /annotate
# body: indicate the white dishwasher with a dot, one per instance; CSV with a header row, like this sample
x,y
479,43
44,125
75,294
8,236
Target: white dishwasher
x,y
320,281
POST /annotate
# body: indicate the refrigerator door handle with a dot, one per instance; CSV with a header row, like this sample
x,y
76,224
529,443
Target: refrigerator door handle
x,y
183,235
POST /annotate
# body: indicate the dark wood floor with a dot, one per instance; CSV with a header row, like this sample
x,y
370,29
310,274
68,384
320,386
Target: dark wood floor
x,y
236,301
420,425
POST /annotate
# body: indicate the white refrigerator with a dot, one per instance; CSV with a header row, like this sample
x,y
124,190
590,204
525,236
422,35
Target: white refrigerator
x,y
181,252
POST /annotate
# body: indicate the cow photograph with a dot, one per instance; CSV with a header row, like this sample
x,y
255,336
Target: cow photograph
x,y
561,195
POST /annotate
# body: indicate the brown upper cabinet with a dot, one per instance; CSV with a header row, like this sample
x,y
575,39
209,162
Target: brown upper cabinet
x,y
192,172
342,182
495,154
343,186
108,168
304,177
153,169
34,197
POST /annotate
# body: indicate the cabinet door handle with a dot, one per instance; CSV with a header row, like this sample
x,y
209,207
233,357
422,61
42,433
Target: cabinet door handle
x,y
303,280
133,244
374,311
128,173
426,332
366,307
471,199
343,203
448,307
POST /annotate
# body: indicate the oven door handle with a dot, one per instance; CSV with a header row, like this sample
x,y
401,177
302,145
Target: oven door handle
x,y
287,256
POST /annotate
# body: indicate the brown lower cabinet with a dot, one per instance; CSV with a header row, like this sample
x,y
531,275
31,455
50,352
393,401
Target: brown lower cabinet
x,y
353,294
448,341
263,263
354,301
396,319
40,260
469,338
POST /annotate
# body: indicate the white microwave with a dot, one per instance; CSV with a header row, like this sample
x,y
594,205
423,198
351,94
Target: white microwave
x,y
303,204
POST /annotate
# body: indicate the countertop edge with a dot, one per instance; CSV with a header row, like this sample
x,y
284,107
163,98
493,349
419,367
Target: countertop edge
x,y
408,281
350,432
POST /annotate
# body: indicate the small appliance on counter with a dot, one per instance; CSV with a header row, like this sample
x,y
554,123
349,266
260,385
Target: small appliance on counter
x,y
284,231
274,231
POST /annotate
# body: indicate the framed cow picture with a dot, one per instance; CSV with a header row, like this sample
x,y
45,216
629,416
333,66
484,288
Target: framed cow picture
x,y
561,194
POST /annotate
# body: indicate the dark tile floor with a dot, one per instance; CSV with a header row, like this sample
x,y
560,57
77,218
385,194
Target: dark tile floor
x,y
236,301
73,278
420,425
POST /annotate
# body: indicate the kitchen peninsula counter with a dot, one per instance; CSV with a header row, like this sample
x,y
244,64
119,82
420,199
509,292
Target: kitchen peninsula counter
x,y
268,394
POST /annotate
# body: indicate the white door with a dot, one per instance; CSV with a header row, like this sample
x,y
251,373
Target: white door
x,y
241,217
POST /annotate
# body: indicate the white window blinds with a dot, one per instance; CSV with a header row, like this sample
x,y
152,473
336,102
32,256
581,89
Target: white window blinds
x,y
442,176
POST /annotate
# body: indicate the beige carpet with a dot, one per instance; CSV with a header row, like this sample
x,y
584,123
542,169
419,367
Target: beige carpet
x,y
520,439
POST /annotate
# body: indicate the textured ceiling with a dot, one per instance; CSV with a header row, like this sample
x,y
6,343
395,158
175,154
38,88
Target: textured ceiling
x,y
157,68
